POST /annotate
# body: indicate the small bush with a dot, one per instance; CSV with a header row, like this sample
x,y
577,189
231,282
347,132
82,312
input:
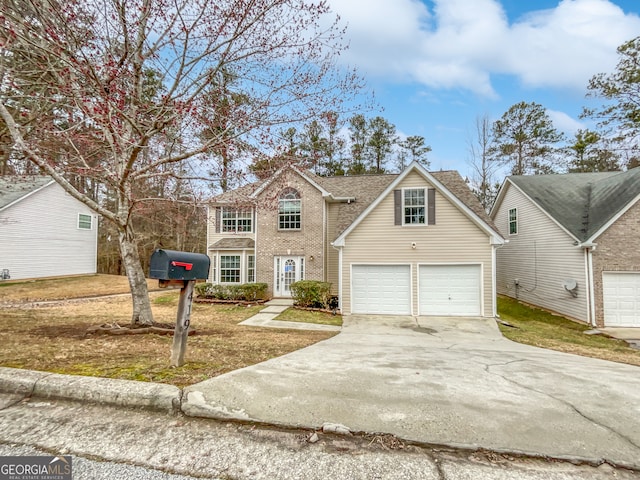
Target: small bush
x,y
311,294
254,291
248,291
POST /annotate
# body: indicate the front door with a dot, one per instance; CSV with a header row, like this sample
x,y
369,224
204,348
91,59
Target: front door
x,y
287,270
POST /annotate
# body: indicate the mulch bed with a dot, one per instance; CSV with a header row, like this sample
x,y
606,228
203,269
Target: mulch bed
x,y
229,302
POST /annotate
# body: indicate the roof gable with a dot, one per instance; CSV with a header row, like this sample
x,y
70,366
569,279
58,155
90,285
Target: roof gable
x,y
585,204
452,191
14,188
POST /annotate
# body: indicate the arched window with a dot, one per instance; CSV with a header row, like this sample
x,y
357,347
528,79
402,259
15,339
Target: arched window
x,y
289,209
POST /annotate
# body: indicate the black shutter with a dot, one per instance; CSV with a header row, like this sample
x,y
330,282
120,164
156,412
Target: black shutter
x,y
218,219
431,206
397,198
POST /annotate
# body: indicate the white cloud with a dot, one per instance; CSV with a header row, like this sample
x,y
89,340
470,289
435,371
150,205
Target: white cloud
x,y
459,44
564,122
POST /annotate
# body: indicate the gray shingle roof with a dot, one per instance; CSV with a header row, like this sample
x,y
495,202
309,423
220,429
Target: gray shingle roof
x,y
13,188
365,189
581,202
234,244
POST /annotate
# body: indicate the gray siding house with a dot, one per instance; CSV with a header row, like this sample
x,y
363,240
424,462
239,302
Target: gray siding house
x,y
573,244
417,243
44,232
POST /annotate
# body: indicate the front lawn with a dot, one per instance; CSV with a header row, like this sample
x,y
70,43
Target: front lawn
x,y
543,329
52,337
308,316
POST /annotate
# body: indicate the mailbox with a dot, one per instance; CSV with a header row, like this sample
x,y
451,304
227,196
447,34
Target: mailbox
x,y
174,265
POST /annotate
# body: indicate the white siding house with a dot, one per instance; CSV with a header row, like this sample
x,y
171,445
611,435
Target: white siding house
x,y
44,232
539,257
572,244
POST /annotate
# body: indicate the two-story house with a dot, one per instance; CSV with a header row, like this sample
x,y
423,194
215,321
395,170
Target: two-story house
x,y
417,243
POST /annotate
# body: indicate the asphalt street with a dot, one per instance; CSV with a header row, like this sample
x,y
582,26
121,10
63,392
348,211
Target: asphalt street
x,y
119,443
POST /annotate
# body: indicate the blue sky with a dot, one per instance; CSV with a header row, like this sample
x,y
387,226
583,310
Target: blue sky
x,y
436,65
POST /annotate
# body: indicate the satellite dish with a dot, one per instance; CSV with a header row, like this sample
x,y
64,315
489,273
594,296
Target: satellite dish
x,y
571,286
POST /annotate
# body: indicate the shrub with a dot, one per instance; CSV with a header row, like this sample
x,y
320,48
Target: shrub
x,y
311,294
248,291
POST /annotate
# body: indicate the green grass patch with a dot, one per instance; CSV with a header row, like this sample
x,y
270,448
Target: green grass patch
x,y
543,329
307,316
169,299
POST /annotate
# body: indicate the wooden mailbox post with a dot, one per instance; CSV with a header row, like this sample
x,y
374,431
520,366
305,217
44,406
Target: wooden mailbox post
x,y
179,269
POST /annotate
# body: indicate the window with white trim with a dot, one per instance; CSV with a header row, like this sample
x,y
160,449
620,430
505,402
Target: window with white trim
x,y
237,220
513,221
229,268
414,202
85,222
251,268
289,210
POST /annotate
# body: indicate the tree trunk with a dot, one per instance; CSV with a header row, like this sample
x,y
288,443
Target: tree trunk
x,y
142,314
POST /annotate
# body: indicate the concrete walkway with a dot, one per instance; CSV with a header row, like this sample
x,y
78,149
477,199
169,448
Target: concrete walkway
x,y
448,381
266,318
629,335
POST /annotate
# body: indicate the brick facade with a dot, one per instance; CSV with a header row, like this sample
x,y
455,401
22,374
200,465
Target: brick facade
x,y
306,242
617,250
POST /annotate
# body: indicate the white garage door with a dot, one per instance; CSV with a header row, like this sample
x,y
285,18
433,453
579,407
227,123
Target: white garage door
x,y
449,290
621,296
381,289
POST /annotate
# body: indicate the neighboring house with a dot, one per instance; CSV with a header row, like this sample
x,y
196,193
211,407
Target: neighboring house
x,y
44,231
573,244
417,243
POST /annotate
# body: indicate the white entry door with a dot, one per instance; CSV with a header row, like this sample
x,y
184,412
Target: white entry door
x,y
287,270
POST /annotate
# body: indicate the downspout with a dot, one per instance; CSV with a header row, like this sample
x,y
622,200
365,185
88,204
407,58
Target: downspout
x,y
494,275
592,301
494,282
339,249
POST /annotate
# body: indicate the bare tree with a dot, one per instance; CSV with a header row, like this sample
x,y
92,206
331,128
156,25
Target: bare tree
x,y
108,79
482,182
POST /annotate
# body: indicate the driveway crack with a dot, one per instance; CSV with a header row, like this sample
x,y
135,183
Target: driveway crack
x,y
560,400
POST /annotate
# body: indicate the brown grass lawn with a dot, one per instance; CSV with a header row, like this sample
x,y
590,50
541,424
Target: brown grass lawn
x,y
65,287
543,329
52,338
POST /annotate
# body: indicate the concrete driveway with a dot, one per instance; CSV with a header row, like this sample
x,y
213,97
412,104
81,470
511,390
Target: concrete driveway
x,y
447,381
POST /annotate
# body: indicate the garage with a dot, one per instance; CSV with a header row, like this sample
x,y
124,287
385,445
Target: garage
x,y
450,290
381,289
621,298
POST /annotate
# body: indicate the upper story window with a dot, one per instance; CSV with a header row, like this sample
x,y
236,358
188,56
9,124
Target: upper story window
x,y
513,221
237,220
84,221
289,210
414,206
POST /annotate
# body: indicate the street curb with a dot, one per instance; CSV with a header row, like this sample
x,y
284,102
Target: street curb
x,y
109,391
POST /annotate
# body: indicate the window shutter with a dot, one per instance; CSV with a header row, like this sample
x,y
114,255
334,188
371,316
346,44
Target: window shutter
x,y
218,219
397,198
254,227
431,206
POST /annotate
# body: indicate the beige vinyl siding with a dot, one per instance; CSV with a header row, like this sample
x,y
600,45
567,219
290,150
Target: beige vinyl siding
x,y
332,255
39,236
454,239
541,257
